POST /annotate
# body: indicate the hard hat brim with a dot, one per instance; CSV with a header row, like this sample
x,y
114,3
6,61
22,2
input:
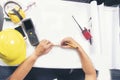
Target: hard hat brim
x,y
17,61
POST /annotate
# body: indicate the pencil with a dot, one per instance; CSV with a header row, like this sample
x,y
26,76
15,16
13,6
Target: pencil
x,y
57,45
66,44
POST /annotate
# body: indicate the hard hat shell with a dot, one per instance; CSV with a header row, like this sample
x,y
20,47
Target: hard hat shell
x,y
12,47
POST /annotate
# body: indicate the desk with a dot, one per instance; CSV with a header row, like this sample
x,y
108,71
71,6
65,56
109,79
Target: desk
x,y
53,21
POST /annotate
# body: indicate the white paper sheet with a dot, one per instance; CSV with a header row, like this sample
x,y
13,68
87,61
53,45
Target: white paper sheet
x,y
54,22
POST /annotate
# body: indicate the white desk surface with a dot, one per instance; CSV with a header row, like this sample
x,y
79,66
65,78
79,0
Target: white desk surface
x,y
53,21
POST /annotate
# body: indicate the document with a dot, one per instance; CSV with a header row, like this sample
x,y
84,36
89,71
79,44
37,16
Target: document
x,y
53,21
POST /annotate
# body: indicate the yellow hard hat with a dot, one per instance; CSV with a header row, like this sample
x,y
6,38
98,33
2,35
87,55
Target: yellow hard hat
x,y
12,47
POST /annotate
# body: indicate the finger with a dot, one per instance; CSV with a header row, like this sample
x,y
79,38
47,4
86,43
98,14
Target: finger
x,y
72,45
43,41
49,45
46,41
67,46
65,43
48,48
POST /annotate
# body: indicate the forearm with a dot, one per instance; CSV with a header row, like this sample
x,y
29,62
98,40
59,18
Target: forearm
x,y
86,62
90,73
21,72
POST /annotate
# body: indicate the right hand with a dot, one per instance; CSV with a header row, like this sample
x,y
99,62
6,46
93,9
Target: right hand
x,y
69,43
44,47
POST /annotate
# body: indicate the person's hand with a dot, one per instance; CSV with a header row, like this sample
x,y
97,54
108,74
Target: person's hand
x,y
69,43
44,47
